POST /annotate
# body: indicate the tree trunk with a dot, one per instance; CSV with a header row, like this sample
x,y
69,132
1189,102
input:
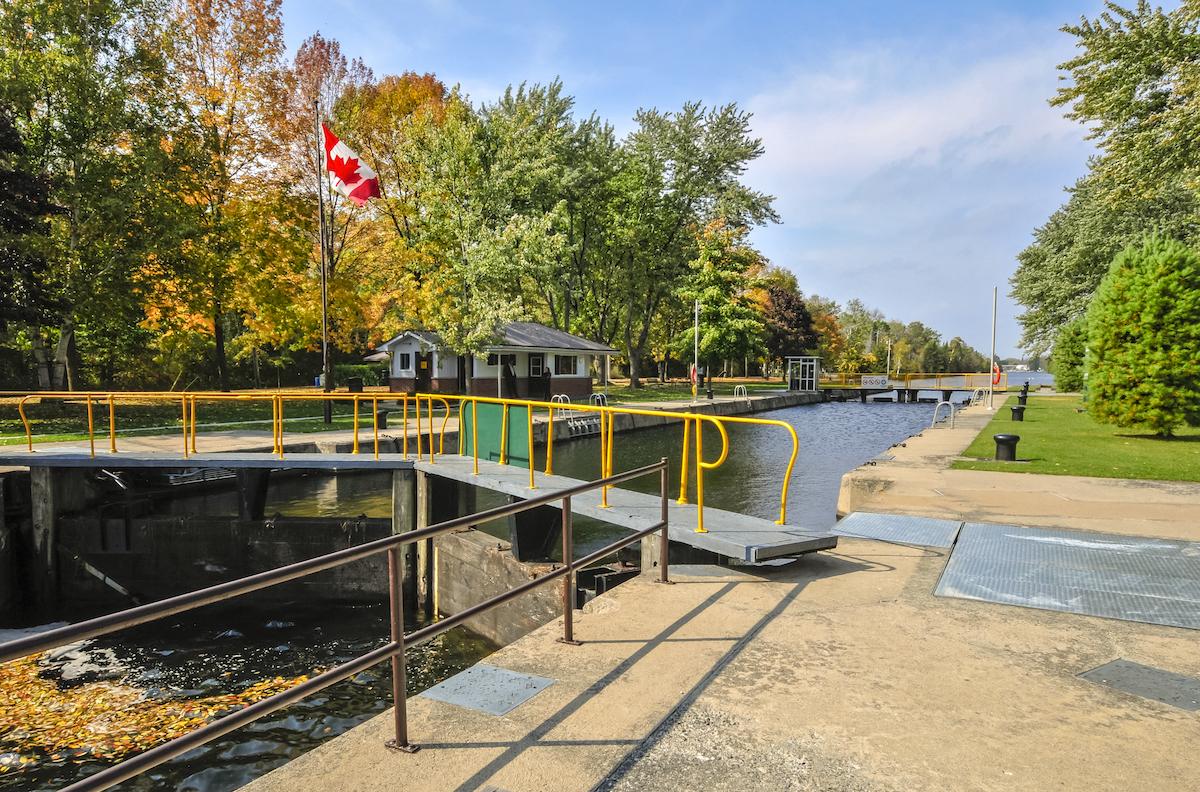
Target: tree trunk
x,y
635,358
219,340
41,359
65,372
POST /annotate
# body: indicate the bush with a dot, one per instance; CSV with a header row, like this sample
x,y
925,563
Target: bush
x,y
371,374
1143,361
1067,360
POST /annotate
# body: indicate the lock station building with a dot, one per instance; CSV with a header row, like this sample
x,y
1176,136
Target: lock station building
x,y
528,360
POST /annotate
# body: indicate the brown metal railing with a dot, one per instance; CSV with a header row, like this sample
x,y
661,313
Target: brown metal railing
x,y
393,650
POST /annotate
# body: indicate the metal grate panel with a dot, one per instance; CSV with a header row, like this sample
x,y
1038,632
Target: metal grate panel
x,y
1156,581
488,688
899,529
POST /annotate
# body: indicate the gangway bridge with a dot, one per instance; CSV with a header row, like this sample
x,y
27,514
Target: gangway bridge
x,y
495,451
907,387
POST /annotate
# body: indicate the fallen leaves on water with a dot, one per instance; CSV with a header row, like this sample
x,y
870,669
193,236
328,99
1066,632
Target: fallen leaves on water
x,y
99,720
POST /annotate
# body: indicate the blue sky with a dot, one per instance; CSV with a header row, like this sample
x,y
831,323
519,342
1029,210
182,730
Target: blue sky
x,y
910,145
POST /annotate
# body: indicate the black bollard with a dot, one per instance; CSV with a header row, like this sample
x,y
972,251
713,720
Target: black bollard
x,y
1006,447
1018,413
1022,398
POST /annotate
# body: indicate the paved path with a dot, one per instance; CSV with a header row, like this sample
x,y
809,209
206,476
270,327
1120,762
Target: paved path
x,y
918,481
839,672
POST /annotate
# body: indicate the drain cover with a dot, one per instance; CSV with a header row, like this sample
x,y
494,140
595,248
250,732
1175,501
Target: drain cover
x,y
1148,682
1156,581
488,688
899,529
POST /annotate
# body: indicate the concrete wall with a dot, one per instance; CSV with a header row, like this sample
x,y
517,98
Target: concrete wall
x,y
473,566
165,556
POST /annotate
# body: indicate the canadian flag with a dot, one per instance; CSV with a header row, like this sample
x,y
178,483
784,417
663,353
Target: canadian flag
x,y
347,175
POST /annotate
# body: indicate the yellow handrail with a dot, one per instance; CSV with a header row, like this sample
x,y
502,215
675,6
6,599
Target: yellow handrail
x,y
607,429
691,422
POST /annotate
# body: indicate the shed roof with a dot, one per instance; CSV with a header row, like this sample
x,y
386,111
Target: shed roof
x,y
517,335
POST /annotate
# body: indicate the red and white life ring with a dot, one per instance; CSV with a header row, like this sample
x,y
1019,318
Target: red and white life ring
x,y
995,373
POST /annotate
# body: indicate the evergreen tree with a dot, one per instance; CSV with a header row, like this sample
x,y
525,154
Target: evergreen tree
x,y
1144,338
1068,356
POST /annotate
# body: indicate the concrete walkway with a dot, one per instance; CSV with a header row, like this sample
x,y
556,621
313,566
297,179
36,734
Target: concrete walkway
x,y
919,481
840,671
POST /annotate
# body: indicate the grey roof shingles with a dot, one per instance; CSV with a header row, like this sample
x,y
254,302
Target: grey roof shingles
x,y
520,334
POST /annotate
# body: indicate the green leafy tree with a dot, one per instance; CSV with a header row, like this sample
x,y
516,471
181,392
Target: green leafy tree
x,y
1068,356
680,171
1144,338
789,325
730,324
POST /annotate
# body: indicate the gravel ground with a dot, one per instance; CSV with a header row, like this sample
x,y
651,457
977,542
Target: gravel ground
x,y
711,750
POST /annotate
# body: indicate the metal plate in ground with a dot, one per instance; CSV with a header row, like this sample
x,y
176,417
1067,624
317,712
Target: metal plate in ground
x,y
899,529
489,689
1156,581
1148,682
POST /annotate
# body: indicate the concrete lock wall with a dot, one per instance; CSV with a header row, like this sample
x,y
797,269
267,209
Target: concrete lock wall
x,y
164,556
473,566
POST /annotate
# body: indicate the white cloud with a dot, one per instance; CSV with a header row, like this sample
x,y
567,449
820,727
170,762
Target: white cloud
x,y
911,178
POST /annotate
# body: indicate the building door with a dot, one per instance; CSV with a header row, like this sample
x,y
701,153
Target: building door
x,y
463,374
809,374
424,373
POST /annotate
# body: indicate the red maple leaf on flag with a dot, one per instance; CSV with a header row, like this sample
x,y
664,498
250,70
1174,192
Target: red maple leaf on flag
x,y
344,169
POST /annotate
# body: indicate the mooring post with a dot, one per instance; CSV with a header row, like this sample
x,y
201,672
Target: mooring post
x,y
404,519
44,514
424,547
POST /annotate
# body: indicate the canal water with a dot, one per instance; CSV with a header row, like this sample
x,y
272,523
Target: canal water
x,y
225,649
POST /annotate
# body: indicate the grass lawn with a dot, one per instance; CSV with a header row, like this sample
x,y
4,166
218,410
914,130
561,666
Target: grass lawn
x,y
1056,438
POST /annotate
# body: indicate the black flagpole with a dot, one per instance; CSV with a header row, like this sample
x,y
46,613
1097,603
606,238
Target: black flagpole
x,y
326,378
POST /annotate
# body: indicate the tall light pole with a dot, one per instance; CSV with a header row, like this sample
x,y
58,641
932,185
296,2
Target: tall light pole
x,y
992,360
695,350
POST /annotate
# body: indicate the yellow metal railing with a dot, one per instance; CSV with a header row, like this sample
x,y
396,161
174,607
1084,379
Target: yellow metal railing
x,y
430,439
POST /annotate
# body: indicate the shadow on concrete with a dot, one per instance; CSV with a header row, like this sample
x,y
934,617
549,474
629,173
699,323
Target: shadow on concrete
x,y
820,567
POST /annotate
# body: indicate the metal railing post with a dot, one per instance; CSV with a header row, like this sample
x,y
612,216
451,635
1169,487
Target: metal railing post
x,y
375,422
112,425
683,469
354,401
193,431
664,547
91,427
700,477
550,441
529,439
568,590
183,407
399,694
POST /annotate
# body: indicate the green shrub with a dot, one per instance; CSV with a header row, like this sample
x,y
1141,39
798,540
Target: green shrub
x,y
1067,360
1143,359
371,374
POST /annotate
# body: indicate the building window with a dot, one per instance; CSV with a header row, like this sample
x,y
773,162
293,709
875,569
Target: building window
x,y
565,365
536,364
510,360
404,361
